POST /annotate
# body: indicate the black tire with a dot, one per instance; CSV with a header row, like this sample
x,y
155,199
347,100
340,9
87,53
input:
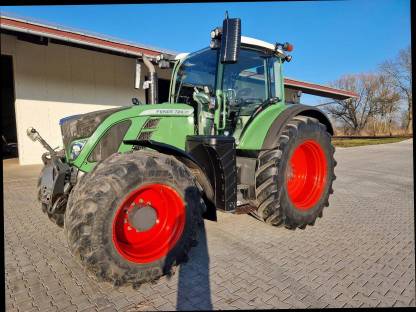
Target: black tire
x,y
94,202
57,217
274,204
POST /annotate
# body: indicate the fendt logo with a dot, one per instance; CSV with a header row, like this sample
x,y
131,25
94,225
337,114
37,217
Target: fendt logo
x,y
168,111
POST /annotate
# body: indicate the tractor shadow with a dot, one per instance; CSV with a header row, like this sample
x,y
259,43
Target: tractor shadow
x,y
193,288
194,291
193,279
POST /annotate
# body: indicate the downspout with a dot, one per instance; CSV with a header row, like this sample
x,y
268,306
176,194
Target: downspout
x,y
153,80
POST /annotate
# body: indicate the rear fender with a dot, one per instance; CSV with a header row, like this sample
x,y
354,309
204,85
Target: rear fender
x,y
255,131
278,124
262,131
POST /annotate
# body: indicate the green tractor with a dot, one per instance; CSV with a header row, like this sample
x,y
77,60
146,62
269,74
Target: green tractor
x,y
132,184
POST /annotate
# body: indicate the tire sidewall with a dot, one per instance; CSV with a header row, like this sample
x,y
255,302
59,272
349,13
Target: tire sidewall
x,y
306,131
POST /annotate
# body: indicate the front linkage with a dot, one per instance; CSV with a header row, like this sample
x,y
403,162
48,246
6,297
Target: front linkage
x,y
55,181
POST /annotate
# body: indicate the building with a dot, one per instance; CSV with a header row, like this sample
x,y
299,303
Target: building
x,y
50,72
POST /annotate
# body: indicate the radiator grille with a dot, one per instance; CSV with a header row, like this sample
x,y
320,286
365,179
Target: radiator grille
x,y
110,142
146,135
151,123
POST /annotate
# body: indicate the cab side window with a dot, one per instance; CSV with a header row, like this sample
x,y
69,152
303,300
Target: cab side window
x,y
274,68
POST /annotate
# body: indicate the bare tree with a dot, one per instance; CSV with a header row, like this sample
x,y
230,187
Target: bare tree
x,y
387,101
399,73
356,112
376,106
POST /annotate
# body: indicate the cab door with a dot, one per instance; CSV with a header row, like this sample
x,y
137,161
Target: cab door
x,y
244,86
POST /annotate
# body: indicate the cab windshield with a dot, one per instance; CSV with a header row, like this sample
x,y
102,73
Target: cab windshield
x,y
198,70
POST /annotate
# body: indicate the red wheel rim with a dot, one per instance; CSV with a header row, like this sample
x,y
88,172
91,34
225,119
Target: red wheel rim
x,y
148,245
306,175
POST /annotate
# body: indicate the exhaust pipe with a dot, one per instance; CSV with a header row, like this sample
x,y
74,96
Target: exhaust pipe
x,y
153,80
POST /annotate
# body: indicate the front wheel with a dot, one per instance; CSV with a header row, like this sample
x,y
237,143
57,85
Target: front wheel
x,y
133,217
294,181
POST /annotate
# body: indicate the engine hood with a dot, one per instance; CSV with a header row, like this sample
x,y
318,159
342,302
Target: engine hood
x,y
83,126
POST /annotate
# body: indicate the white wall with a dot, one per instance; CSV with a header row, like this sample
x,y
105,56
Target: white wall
x,y
55,81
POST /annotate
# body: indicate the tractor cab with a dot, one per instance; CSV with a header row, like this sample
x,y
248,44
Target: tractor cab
x,y
225,95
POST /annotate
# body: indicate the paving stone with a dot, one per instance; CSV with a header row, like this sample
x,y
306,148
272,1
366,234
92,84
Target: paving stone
x,y
277,303
88,308
24,305
296,303
257,303
108,308
70,308
121,303
62,303
42,304
166,307
22,297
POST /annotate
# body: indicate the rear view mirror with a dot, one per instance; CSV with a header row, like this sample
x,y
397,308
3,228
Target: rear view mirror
x,y
230,40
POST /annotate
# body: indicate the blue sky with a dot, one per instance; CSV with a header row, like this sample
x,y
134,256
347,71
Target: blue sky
x,y
331,38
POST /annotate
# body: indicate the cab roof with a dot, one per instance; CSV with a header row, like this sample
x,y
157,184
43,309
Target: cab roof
x,y
244,40
257,42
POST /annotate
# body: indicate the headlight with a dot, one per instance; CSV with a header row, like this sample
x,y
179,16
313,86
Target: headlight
x,y
76,148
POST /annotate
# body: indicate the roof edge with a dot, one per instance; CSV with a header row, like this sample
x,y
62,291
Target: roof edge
x,y
26,25
319,90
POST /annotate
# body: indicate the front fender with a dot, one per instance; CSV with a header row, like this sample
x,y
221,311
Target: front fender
x,y
197,168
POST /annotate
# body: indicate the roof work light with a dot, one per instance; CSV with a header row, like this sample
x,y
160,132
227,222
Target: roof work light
x,y
288,47
284,46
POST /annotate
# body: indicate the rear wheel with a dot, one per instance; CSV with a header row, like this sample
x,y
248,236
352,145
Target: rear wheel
x,y
294,181
133,217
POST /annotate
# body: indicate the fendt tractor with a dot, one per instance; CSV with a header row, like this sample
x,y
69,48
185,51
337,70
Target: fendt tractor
x,y
133,184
